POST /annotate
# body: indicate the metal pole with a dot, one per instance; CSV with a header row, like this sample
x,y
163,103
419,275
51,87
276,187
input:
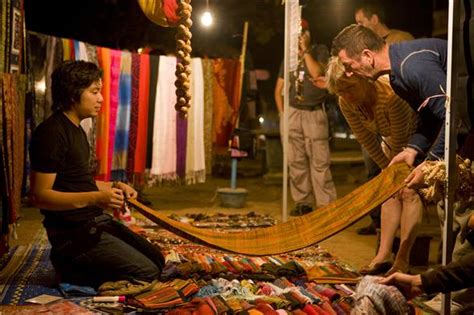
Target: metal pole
x,y
450,141
286,99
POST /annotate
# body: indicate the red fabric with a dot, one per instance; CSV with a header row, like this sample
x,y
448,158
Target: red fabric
x,y
170,7
266,309
143,92
304,24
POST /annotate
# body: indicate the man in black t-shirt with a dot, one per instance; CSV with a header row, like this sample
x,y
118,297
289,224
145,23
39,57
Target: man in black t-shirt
x,y
88,246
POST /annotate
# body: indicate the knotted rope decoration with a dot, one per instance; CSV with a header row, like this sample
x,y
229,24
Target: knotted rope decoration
x,y
183,53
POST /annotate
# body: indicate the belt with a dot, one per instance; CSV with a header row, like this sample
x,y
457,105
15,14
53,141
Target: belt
x,y
309,107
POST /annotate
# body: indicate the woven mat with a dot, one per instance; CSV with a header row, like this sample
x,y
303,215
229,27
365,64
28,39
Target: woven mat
x,y
26,272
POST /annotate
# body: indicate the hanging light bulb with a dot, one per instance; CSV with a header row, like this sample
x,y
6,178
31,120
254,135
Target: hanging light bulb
x,y
206,18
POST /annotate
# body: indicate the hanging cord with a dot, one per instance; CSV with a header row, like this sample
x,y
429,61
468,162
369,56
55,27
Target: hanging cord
x,y
425,102
183,52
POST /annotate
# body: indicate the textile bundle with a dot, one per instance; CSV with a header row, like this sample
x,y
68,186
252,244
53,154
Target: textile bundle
x,y
299,232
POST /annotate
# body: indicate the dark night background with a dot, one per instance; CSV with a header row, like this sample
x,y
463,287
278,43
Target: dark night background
x,y
121,24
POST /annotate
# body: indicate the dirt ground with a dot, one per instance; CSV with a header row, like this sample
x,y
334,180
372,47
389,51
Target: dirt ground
x,y
264,198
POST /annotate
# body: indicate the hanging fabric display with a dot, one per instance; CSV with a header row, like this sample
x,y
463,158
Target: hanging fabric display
x,y
164,135
226,102
119,161
195,161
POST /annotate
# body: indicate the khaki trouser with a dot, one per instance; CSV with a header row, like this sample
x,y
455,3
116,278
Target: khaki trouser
x,y
309,157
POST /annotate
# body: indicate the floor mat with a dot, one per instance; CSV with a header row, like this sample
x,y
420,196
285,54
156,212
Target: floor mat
x,y
26,272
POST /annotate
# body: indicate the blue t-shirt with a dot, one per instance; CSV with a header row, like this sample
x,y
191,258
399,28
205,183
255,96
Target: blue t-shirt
x,y
418,74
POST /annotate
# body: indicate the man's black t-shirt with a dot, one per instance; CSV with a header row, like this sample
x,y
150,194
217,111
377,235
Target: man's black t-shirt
x,y
59,146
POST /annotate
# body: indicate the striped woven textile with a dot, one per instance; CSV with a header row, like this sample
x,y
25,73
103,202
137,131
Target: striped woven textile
x,y
300,232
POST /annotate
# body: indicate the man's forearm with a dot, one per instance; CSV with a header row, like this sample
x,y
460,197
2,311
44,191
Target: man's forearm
x,y
59,201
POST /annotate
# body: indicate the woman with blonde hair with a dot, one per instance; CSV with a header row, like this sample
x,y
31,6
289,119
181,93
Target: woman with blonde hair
x,y
382,123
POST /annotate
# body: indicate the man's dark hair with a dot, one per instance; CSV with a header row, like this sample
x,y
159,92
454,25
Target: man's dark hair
x,y
354,39
372,8
69,80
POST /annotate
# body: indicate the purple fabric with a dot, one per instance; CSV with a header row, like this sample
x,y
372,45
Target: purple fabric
x,y
181,137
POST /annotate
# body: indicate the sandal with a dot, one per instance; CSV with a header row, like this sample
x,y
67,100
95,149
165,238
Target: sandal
x,y
376,269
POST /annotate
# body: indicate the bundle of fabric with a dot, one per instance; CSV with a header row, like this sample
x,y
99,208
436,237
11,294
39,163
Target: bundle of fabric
x,y
435,179
161,12
375,298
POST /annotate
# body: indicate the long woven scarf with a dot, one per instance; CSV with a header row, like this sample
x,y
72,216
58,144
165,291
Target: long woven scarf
x,y
119,161
300,232
195,161
164,130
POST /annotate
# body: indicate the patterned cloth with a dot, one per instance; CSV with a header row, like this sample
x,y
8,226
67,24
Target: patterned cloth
x,y
375,298
119,160
301,231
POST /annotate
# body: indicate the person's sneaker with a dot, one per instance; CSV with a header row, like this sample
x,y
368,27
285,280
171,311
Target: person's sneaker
x,y
367,230
301,210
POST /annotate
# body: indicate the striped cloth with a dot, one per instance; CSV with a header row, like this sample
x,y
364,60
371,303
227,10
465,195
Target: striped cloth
x,y
132,135
119,159
300,232
394,120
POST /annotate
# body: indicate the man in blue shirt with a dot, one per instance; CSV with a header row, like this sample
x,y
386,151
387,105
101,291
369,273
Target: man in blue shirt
x,y
417,72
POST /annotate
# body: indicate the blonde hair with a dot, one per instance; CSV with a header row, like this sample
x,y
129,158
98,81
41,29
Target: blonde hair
x,y
334,71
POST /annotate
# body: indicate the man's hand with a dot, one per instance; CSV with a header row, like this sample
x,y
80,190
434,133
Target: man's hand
x,y
111,199
415,179
305,41
408,156
409,285
128,191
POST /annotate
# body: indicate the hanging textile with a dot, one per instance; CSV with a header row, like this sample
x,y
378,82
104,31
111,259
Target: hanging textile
x,y
154,66
181,143
13,141
17,43
68,49
226,100
301,231
195,161
208,75
164,128
115,66
119,163
144,93
132,137
3,34
103,119
54,57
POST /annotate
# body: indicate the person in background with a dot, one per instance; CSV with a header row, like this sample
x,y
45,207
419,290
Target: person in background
x,y
372,15
308,152
88,246
382,123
